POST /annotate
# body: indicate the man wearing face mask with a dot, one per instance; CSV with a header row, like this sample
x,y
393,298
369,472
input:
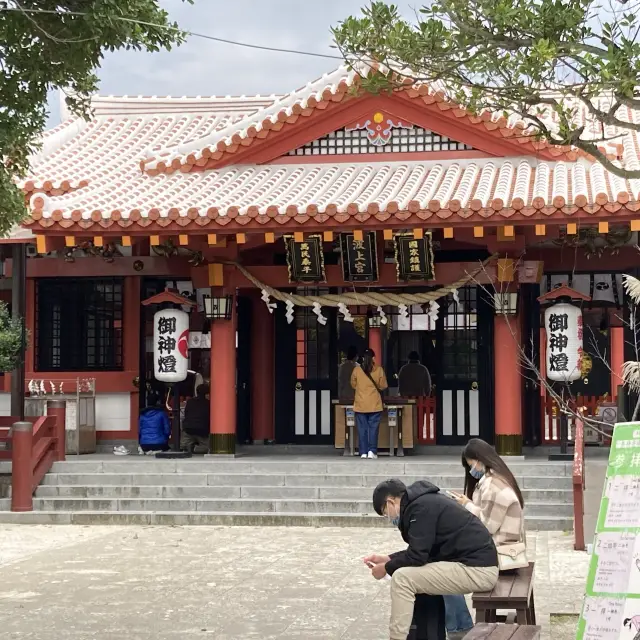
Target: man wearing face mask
x,y
450,551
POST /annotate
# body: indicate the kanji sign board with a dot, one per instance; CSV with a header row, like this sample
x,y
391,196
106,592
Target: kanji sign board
x,y
611,609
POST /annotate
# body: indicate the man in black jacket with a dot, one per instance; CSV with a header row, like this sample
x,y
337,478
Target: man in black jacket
x,y
450,551
195,428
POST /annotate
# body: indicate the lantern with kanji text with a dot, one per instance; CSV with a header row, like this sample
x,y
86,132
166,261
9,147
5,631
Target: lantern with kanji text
x,y
170,345
564,331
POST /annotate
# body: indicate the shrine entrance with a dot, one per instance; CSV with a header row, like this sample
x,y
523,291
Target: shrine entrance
x,y
306,365
458,351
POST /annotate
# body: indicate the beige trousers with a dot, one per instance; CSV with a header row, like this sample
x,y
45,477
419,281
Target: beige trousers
x,y
437,579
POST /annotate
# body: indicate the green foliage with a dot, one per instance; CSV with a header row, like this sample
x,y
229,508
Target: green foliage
x,y
530,57
59,44
11,339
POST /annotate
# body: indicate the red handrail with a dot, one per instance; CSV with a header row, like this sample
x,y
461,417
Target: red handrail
x,y
35,446
578,487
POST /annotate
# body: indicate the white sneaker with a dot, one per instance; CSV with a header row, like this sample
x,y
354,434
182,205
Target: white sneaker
x,y
364,456
140,451
372,456
121,451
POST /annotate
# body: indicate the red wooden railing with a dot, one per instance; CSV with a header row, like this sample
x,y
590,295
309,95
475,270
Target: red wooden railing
x,y
32,445
578,487
551,416
426,408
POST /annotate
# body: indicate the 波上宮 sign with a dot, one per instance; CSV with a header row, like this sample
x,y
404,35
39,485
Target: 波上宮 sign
x,y
359,257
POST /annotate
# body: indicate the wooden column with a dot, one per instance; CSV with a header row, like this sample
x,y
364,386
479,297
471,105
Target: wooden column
x,y
262,372
222,438
617,358
18,310
375,343
507,386
131,314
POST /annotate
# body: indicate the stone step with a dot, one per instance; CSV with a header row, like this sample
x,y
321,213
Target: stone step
x,y
253,492
275,480
178,518
248,505
334,466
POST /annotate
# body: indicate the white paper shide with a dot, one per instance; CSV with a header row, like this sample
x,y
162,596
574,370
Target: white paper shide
x,y
563,325
170,345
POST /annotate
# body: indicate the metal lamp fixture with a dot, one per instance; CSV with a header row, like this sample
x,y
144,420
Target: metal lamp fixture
x,y
375,321
506,302
218,307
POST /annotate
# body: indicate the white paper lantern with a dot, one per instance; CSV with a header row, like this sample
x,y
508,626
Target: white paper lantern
x,y
563,325
170,345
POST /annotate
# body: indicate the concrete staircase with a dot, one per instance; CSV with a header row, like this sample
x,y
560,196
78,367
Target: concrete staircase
x,y
284,490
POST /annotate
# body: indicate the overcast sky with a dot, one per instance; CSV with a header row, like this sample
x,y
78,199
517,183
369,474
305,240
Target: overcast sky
x,y
202,67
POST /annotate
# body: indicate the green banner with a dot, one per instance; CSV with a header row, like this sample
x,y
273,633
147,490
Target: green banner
x,y
611,609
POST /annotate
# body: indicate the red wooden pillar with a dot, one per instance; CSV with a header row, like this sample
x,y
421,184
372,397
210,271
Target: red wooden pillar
x,y
222,438
131,314
262,372
617,358
375,343
21,466
57,409
507,386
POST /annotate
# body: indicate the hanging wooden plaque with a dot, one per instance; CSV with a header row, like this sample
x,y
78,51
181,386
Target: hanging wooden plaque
x,y
359,257
305,260
414,257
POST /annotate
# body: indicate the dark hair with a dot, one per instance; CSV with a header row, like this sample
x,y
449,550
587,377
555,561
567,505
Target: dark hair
x,y
392,488
414,356
627,622
482,451
352,353
367,360
202,390
153,399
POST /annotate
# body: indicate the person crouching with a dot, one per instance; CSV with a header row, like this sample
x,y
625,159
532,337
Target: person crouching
x,y
195,429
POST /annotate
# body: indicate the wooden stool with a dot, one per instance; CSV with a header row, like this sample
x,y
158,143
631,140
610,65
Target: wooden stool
x,y
485,631
513,592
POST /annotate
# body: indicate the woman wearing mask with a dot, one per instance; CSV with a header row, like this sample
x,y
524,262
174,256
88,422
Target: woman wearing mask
x,y
492,494
368,382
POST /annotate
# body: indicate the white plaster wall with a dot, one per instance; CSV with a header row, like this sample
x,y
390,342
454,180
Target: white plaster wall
x,y
113,412
5,404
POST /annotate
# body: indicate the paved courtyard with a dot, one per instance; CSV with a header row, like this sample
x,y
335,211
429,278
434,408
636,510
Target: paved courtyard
x,y
170,583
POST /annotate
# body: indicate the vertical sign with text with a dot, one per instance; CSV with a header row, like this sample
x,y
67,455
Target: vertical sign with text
x,y
305,259
611,609
414,257
359,257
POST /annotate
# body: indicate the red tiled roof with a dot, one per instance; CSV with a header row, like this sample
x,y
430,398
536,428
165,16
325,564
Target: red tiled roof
x,y
88,173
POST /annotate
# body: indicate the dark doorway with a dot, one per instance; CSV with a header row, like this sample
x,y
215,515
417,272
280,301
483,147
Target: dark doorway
x,y
306,377
530,314
464,348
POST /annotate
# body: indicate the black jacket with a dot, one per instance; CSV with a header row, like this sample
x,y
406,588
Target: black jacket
x,y
414,380
438,529
196,417
346,392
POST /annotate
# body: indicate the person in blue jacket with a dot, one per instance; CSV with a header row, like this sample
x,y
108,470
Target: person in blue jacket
x,y
154,428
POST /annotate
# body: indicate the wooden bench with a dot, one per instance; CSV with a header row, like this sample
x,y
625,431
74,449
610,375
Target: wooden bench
x,y
513,592
494,631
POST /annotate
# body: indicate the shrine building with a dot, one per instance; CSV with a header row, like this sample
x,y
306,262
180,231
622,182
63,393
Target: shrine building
x,y
297,226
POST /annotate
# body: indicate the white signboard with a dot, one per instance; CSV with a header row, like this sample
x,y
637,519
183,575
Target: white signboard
x,y
563,325
170,345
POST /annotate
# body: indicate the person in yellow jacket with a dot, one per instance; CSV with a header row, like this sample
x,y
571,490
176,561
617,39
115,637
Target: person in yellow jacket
x,y
368,381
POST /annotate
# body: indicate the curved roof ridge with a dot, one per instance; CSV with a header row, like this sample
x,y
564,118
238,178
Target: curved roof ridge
x,y
285,103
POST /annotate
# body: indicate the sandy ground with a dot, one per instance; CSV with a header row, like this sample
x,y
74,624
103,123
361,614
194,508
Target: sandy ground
x,y
165,583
